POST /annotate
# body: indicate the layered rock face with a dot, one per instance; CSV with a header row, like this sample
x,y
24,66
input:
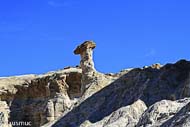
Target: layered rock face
x,y
39,99
152,96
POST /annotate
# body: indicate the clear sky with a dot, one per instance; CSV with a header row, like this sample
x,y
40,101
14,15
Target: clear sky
x,y
37,36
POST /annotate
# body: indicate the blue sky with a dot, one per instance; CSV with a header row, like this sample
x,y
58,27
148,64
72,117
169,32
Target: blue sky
x,y
38,36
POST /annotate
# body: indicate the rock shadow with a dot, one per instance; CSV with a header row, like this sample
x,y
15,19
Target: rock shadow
x,y
149,84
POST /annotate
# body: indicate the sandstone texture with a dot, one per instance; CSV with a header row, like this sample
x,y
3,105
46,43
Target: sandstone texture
x,y
151,96
39,98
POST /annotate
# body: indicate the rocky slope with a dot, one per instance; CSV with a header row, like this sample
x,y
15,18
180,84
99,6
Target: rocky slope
x,y
152,96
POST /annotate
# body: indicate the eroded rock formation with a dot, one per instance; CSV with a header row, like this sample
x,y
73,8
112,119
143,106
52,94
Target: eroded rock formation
x,y
160,113
39,99
87,64
151,85
4,114
152,96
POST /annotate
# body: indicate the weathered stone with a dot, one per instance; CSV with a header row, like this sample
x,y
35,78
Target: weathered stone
x,y
50,111
156,66
38,99
180,119
4,114
151,85
161,112
83,47
143,97
87,64
73,80
124,117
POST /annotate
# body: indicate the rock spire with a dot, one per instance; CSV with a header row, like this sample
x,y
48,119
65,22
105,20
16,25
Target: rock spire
x,y
87,64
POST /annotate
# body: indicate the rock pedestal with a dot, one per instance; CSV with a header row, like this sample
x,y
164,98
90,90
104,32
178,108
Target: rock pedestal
x,y
87,64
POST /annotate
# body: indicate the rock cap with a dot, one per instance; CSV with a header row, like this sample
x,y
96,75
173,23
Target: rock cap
x,y
86,45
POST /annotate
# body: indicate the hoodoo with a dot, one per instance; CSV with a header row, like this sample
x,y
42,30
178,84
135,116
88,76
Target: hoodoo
x,y
87,64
